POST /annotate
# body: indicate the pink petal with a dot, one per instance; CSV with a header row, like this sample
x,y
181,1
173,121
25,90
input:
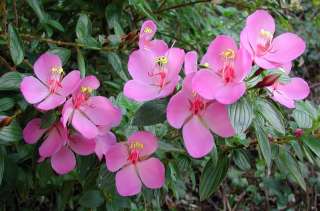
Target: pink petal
x,y
57,137
244,42
151,172
83,125
70,83
169,88
81,145
243,64
51,102
213,55
139,91
283,99
296,89
127,181
190,62
33,90
90,81
44,64
230,93
197,139
149,141
101,111
116,157
265,64
206,83
178,110
63,161
285,48
141,64
287,67
257,21
67,112
175,61
217,119
32,132
158,47
104,143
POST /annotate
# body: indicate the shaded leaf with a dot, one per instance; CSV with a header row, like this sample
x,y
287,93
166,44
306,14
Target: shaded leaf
x,y
91,199
15,45
313,144
6,103
11,133
10,81
63,53
115,62
81,63
302,118
241,159
151,113
48,119
240,114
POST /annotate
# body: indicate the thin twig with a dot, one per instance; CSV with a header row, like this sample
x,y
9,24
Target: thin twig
x,y
6,64
16,17
177,6
4,15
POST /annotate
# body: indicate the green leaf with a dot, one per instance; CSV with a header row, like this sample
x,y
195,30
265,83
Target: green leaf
x,y
15,45
212,176
2,157
271,114
63,53
241,159
313,144
91,199
11,133
83,27
6,103
292,167
307,107
240,114
263,140
151,113
81,63
115,62
10,81
303,119
38,9
55,24
48,119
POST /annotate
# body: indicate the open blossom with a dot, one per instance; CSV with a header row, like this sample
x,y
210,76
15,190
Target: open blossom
x,y
225,67
57,145
155,72
197,116
132,161
287,93
86,113
268,52
50,89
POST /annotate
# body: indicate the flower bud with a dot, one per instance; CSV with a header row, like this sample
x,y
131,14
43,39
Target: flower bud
x,y
5,121
268,80
298,132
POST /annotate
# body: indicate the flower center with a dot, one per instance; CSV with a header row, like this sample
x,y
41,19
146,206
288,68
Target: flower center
x,y
82,96
227,72
147,30
55,79
134,149
197,105
264,41
228,54
161,60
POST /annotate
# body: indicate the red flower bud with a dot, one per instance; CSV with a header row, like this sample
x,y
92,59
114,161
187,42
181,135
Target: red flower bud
x,y
268,80
298,132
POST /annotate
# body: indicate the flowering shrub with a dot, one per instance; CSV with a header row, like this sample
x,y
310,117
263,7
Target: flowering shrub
x,y
235,98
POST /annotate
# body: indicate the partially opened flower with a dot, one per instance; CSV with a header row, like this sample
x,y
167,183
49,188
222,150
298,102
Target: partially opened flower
x,y
155,72
226,66
197,117
50,89
287,93
86,113
148,30
104,141
268,52
133,162
57,145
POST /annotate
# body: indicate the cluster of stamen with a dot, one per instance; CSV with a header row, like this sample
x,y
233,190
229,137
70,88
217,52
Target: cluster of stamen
x,y
227,72
196,105
55,79
134,149
161,60
264,41
162,74
82,96
147,30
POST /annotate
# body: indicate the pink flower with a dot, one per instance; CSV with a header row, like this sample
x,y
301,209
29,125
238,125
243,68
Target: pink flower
x,y
197,116
155,72
57,145
49,90
257,39
132,161
147,32
287,93
226,66
104,141
86,113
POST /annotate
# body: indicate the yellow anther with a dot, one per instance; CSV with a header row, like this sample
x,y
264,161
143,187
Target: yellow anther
x,y
57,70
86,90
228,54
205,65
136,145
161,60
265,33
147,30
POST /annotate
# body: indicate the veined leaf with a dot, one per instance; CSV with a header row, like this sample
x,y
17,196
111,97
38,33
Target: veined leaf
x,y
10,81
81,63
303,119
6,103
241,159
313,144
15,44
151,113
